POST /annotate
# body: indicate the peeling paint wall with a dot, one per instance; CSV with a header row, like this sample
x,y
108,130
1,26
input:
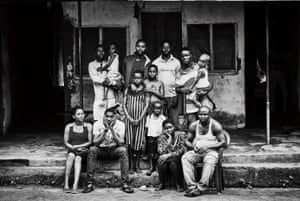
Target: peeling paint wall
x,y
229,89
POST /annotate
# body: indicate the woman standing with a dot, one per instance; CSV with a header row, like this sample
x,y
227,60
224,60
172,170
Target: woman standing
x,y
170,148
136,102
77,138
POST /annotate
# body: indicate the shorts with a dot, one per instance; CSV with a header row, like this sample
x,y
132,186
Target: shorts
x,y
151,147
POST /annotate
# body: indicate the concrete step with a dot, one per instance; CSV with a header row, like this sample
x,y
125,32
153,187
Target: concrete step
x,y
235,174
114,164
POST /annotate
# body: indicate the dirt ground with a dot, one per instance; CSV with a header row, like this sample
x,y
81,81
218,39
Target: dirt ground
x,y
44,193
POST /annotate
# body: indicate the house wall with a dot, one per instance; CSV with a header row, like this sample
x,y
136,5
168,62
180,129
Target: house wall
x,y
229,89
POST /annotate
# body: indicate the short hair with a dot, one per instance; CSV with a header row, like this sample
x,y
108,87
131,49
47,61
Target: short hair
x,y
138,71
140,41
186,49
113,43
153,66
165,41
157,102
111,109
75,108
99,45
167,121
206,107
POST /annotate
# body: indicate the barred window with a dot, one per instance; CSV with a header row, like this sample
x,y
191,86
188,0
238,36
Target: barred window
x,y
218,40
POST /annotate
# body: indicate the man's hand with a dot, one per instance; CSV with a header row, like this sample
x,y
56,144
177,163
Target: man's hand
x,y
202,149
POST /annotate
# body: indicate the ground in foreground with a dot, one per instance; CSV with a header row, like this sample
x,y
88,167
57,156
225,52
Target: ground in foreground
x,y
45,193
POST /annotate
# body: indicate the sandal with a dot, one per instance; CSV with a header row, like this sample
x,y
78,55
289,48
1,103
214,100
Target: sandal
x,y
193,193
127,189
88,189
160,187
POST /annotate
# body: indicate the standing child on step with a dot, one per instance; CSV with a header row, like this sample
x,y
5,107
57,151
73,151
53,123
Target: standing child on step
x,y
154,130
136,103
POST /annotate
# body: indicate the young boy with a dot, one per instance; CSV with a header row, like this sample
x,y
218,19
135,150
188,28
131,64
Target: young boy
x,y
154,130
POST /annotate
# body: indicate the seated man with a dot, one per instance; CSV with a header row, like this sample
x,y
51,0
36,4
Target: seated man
x,y
108,143
206,137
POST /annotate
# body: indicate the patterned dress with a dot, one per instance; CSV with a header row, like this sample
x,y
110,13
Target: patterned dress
x,y
135,104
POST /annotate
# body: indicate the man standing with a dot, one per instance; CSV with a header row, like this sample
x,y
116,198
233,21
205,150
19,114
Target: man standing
x,y
168,69
98,72
206,137
138,61
188,71
109,140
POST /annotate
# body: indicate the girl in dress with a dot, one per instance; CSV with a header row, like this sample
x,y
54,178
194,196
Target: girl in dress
x,y
136,103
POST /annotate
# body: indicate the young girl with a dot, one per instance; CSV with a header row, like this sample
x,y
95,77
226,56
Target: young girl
x,y
154,130
77,138
154,86
136,102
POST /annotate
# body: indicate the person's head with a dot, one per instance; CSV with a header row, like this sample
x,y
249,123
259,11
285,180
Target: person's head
x,y
157,108
100,52
204,114
138,77
203,61
186,56
181,119
165,48
140,47
152,72
110,115
78,114
168,127
113,48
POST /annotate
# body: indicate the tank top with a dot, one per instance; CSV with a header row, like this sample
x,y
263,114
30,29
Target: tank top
x,y
204,139
78,138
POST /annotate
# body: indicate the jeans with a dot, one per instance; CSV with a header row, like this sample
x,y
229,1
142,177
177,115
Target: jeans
x,y
190,158
100,153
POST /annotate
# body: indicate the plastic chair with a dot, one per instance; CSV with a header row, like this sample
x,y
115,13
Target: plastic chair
x,y
218,173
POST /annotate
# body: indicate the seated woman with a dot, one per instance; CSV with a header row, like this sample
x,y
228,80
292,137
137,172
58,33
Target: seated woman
x,y
77,138
170,148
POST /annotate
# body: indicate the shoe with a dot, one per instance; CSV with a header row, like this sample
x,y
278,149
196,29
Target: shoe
x,y
193,193
201,187
160,187
127,189
89,188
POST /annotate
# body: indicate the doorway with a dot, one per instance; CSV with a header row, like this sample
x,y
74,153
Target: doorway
x,y
157,27
36,97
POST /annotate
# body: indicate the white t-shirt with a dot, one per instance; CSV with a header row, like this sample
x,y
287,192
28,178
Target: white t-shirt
x,y
167,73
154,125
99,128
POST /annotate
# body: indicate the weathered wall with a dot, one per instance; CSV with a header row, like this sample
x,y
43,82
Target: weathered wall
x,y
5,116
229,91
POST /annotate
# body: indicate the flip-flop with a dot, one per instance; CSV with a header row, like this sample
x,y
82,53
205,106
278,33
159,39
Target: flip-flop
x,y
127,189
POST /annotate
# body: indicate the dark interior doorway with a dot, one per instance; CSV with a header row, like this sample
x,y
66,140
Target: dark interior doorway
x,y
157,27
36,99
284,51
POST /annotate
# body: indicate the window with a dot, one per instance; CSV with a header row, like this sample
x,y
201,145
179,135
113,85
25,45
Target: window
x,y
216,39
92,36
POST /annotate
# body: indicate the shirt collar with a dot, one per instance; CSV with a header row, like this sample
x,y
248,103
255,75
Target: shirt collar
x,y
170,59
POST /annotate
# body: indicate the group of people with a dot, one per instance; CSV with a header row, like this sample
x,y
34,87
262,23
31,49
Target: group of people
x,y
138,113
